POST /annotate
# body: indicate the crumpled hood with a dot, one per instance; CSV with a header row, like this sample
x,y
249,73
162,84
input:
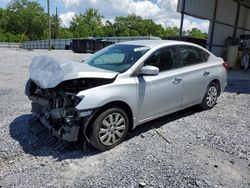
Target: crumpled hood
x,y
48,72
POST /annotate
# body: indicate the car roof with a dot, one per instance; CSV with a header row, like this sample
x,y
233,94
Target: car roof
x,y
154,43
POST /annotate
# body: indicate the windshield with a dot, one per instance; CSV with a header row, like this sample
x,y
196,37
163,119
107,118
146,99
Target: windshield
x,y
118,57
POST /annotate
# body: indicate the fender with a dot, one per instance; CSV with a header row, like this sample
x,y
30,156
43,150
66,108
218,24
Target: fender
x,y
122,91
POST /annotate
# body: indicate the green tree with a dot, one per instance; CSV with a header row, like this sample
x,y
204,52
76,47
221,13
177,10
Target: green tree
x,y
87,24
8,37
55,26
127,26
2,11
26,18
94,21
134,25
197,33
2,16
151,28
78,26
172,31
65,33
108,29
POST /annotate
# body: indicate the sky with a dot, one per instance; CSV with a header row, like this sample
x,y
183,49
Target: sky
x,y
161,11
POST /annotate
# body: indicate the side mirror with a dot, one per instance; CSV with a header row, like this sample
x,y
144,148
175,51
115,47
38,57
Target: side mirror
x,y
150,70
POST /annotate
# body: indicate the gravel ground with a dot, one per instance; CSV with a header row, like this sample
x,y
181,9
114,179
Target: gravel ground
x,y
208,148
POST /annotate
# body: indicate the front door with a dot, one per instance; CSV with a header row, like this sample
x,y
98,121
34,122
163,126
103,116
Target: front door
x,y
162,93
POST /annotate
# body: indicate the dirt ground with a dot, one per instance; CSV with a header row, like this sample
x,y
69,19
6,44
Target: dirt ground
x,y
208,148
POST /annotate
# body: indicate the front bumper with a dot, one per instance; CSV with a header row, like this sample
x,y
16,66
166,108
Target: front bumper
x,y
62,123
55,110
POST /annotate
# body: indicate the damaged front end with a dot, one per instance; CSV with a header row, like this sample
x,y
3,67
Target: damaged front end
x,y
53,87
55,107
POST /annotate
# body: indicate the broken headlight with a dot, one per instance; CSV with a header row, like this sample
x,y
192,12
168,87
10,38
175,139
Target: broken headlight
x,y
71,99
77,100
84,113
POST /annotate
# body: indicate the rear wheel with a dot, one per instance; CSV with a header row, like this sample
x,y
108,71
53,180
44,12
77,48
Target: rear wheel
x,y
210,98
109,129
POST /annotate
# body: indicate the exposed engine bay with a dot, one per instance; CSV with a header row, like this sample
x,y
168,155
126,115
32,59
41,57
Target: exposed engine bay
x,y
55,107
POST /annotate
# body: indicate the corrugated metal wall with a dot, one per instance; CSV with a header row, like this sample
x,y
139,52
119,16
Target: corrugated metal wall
x,y
226,11
224,22
244,18
200,8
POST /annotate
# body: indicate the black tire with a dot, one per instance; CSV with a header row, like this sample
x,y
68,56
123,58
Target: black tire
x,y
210,97
112,133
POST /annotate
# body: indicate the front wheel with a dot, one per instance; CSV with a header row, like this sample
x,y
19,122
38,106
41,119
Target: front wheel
x,y
109,129
210,98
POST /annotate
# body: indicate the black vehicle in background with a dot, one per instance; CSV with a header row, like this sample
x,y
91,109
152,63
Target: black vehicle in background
x,y
89,45
198,41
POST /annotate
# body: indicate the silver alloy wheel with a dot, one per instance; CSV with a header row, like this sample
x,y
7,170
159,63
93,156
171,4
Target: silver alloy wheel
x,y
211,96
112,129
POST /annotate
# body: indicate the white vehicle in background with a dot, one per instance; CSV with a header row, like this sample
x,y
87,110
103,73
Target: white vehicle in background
x,y
121,87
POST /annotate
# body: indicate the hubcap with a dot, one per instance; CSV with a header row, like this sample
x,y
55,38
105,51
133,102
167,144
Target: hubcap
x,y
211,96
112,129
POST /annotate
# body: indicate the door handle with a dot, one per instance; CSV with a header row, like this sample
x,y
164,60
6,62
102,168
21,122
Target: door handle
x,y
177,80
206,73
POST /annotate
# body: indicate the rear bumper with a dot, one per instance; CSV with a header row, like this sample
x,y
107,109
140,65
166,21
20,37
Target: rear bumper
x,y
223,83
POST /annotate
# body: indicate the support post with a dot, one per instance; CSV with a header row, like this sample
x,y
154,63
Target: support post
x,y
213,25
236,19
182,16
49,25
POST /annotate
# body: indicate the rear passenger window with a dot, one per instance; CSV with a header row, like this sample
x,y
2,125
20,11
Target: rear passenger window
x,y
205,55
190,55
164,59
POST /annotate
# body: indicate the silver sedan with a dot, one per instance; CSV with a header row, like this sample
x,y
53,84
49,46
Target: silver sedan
x,y
121,87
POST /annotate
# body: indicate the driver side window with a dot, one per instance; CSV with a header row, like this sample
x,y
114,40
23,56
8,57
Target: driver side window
x,y
164,59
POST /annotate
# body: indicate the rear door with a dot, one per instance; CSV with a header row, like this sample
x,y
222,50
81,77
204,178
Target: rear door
x,y
161,93
195,73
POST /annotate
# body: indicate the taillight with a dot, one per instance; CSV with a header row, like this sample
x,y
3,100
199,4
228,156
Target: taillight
x,y
225,65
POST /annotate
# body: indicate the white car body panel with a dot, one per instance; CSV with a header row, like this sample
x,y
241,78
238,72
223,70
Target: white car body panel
x,y
148,97
48,72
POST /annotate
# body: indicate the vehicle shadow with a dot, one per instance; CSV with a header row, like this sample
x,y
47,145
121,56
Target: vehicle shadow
x,y
157,123
20,131
33,145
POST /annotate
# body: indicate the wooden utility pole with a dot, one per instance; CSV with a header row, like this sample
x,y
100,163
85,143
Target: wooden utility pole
x,y
49,25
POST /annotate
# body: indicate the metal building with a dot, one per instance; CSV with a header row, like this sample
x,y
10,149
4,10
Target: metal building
x,y
229,21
